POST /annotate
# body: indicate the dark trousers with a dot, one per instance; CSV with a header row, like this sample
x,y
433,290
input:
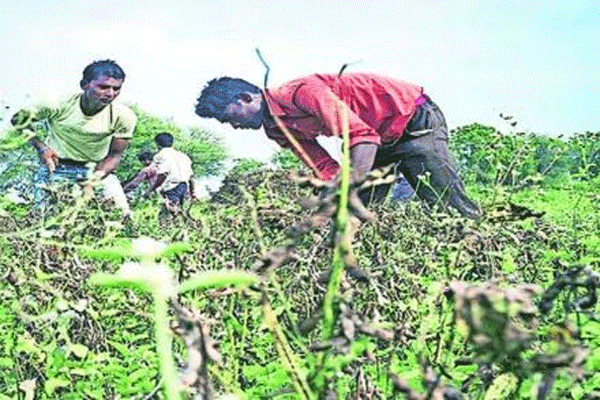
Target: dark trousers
x,y
422,151
176,195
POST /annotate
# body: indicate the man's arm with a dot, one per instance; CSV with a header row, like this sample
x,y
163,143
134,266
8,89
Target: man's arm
x,y
22,121
160,178
47,154
112,160
363,157
137,179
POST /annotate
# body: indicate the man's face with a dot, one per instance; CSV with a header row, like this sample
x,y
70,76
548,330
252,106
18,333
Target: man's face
x,y
245,113
101,91
147,162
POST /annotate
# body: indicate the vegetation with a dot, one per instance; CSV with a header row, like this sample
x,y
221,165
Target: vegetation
x,y
18,163
272,296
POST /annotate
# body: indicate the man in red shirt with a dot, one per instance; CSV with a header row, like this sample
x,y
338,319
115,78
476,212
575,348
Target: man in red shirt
x,y
390,122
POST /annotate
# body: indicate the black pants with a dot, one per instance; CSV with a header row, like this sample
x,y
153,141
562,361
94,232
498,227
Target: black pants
x,y
177,194
423,150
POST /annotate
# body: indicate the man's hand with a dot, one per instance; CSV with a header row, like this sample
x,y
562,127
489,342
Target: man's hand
x,y
93,179
47,154
49,157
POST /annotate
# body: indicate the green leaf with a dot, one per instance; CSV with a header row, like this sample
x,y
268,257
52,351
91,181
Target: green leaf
x,y
6,362
502,387
115,254
138,374
593,361
121,348
54,383
218,279
79,350
81,372
508,263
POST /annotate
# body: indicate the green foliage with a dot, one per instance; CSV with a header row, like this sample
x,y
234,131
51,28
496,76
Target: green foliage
x,y
487,156
61,337
243,166
285,159
206,151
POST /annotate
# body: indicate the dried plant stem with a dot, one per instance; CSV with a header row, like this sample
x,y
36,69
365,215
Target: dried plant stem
x,y
164,348
286,354
299,149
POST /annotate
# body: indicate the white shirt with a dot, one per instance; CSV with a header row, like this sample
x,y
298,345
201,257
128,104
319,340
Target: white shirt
x,y
175,164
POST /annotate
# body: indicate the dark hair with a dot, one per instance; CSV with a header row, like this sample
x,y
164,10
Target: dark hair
x,y
145,155
219,93
164,139
107,68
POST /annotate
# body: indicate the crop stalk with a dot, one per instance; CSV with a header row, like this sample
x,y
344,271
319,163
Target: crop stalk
x,y
164,344
341,225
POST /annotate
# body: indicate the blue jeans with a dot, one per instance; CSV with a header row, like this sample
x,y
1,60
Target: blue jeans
x,y
65,172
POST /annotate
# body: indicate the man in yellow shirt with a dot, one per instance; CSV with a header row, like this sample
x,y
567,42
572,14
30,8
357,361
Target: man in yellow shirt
x,y
87,133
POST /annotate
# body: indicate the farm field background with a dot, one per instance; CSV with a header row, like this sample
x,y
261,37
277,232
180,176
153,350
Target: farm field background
x,y
395,316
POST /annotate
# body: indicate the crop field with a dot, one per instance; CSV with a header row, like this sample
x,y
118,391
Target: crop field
x,y
267,291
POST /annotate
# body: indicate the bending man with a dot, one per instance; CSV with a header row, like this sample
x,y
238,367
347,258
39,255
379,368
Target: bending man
x,y
390,122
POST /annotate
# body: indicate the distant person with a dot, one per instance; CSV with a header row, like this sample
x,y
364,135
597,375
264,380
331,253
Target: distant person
x,y
87,132
390,122
174,177
146,174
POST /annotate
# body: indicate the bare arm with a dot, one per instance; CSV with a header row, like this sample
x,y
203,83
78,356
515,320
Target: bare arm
x,y
112,160
47,154
160,178
140,176
363,157
22,121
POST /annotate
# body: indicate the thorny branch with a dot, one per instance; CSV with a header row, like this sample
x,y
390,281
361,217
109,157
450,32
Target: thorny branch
x,y
324,201
500,324
200,348
572,283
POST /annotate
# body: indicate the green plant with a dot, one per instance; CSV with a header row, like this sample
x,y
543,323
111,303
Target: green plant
x,y
159,281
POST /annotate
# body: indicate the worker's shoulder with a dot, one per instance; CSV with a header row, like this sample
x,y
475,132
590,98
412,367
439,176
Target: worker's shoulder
x,y
183,155
52,101
124,111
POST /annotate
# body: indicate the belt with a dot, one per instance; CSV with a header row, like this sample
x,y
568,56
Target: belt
x,y
422,99
419,101
72,163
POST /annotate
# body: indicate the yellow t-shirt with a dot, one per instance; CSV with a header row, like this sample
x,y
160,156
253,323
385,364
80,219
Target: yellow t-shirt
x,y
76,136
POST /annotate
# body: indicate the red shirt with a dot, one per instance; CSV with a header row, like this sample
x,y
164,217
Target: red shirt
x,y
379,109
